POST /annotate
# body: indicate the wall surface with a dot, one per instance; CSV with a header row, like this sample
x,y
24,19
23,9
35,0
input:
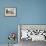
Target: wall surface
x,y
33,12
28,12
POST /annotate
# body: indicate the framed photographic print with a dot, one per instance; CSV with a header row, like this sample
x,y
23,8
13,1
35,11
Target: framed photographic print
x,y
10,11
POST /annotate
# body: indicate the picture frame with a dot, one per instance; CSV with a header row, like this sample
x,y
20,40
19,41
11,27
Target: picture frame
x,y
10,11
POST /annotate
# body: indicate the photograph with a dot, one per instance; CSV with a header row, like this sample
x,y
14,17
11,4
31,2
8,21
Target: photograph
x,y
10,11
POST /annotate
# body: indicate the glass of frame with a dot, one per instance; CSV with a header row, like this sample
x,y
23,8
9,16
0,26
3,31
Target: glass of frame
x,y
10,11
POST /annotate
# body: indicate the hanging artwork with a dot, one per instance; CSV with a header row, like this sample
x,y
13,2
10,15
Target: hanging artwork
x,y
10,11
